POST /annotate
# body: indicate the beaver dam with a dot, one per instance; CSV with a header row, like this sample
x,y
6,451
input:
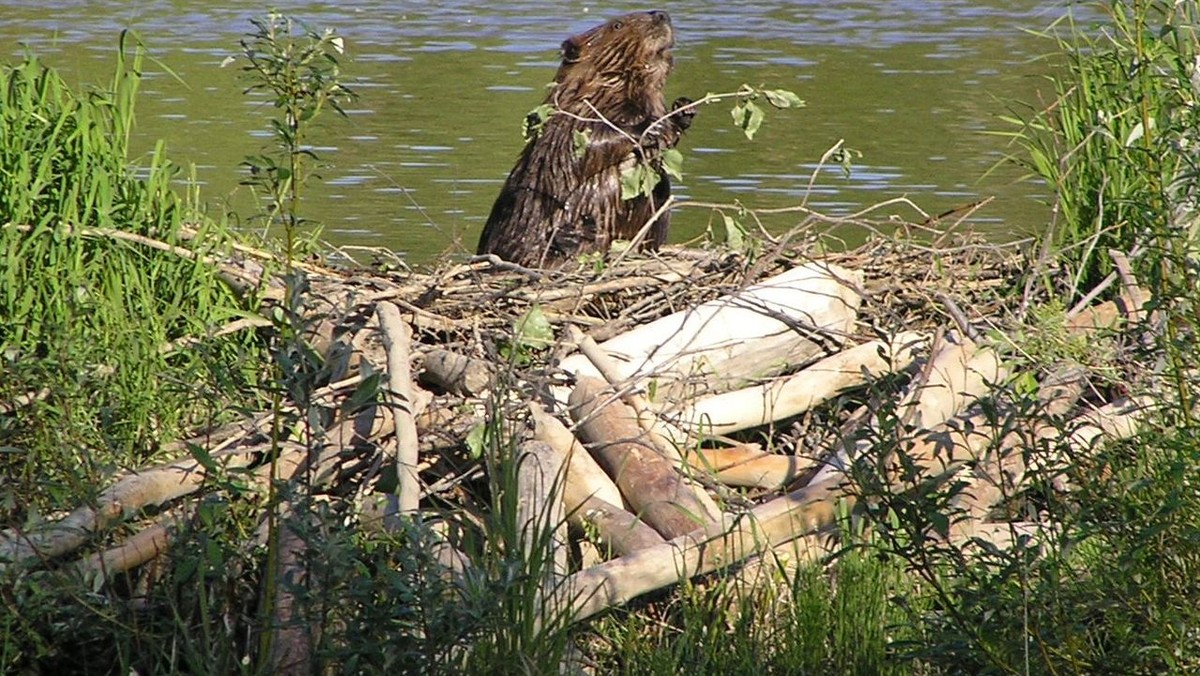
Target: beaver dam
x,y
649,421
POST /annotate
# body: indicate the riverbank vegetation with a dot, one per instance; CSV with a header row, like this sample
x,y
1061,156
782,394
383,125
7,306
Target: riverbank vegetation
x,y
212,450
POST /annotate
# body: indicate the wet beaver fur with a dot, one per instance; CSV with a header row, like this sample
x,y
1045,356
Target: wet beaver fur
x,y
560,200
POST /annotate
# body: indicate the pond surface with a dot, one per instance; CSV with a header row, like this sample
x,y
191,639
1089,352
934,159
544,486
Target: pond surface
x,y
442,89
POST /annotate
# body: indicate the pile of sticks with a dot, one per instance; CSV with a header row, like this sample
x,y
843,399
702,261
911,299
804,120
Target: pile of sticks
x,y
680,413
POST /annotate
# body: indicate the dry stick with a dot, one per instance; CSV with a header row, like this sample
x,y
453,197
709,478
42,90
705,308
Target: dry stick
x,y
1133,297
397,337
540,521
648,481
1002,468
236,278
232,327
152,486
1117,420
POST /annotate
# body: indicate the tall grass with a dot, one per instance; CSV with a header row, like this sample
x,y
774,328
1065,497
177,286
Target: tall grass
x,y
806,619
84,320
83,317
1116,140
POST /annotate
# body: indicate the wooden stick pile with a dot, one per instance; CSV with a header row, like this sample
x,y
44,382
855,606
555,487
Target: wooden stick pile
x,y
692,410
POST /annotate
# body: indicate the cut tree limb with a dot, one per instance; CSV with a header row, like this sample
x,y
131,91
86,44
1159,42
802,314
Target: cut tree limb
x,y
585,478
623,532
456,373
648,481
748,466
754,406
779,323
139,548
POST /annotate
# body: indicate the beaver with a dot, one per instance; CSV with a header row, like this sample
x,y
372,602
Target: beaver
x,y
563,197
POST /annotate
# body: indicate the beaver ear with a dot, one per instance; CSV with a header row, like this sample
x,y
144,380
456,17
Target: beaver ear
x,y
571,48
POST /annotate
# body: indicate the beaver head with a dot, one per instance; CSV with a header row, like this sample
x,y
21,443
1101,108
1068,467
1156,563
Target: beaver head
x,y
620,67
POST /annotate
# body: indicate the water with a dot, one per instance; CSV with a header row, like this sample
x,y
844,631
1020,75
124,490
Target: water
x,y
911,85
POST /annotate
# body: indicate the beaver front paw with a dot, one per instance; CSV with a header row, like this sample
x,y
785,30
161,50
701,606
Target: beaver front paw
x,y
683,112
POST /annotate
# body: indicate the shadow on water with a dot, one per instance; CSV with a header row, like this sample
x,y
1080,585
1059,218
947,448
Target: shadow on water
x,y
443,90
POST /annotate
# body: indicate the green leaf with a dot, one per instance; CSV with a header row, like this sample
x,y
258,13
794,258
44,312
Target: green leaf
x,y
477,440
535,119
672,161
638,180
782,98
367,392
748,117
580,138
533,330
735,233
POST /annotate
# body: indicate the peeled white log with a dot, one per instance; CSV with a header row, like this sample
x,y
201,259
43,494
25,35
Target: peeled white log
x,y
957,375
779,323
755,406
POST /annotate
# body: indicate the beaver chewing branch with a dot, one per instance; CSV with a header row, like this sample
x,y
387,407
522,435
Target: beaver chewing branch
x,y
562,199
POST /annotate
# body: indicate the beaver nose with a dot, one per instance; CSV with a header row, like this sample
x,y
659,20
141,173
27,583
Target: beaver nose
x,y
660,16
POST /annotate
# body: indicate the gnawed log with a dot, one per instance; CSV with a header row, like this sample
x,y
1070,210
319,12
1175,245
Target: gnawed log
x,y
585,478
762,404
646,418
456,373
649,482
748,466
623,532
782,322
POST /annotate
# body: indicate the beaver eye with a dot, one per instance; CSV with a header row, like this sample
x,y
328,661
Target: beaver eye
x,y
618,25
